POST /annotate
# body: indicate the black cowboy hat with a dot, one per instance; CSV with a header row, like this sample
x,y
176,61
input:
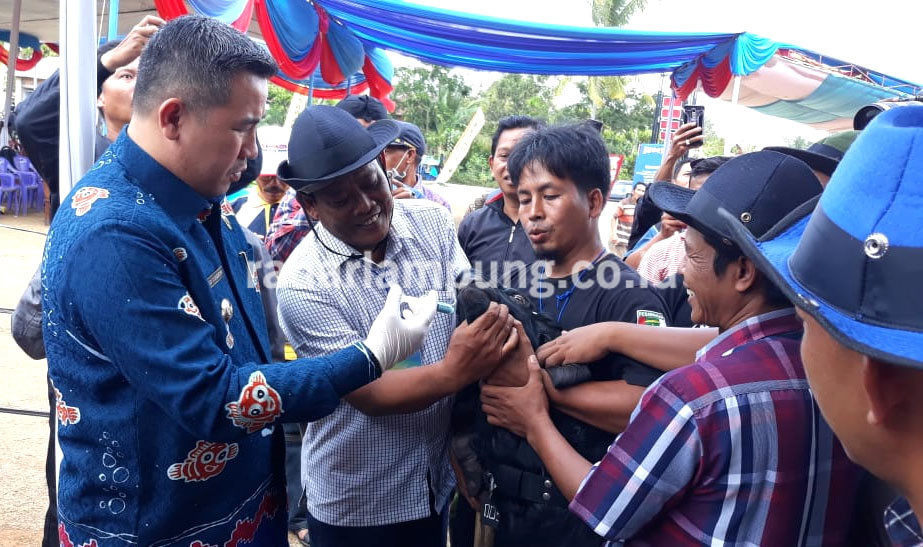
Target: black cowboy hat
x,y
327,142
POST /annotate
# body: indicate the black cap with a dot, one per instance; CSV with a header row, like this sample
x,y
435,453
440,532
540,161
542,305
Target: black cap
x,y
759,188
364,107
410,137
326,142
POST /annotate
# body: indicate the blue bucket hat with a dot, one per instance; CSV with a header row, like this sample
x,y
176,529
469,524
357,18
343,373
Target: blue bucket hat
x,y
855,262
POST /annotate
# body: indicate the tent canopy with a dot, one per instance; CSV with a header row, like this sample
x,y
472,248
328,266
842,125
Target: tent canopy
x,y
331,46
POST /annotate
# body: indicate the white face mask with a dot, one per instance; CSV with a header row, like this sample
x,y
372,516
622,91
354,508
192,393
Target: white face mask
x,y
397,175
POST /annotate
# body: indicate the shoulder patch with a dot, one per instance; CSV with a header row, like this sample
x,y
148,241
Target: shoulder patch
x,y
651,318
84,198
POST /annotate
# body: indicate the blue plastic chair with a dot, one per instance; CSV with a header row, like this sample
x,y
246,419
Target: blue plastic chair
x,y
32,191
9,193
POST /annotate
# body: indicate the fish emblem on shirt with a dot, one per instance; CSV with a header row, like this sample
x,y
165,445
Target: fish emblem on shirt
x,y
203,462
66,414
258,406
188,305
84,198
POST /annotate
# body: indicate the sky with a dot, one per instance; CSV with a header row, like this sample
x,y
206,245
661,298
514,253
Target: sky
x,y
880,38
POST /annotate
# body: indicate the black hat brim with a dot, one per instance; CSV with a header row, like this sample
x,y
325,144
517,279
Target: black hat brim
x,y
818,162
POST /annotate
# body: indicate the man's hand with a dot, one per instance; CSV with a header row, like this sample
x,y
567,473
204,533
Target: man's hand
x,y
476,349
393,337
130,47
581,345
670,225
518,409
401,192
686,136
512,371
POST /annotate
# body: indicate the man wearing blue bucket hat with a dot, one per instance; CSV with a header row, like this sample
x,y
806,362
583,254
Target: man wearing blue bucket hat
x,y
852,266
730,449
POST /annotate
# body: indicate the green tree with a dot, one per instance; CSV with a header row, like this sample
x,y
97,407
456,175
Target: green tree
x,y
615,13
437,101
714,145
799,142
626,122
277,105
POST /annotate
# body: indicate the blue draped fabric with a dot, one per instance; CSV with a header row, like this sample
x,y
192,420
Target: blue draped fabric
x,y
836,97
446,37
25,39
296,25
226,11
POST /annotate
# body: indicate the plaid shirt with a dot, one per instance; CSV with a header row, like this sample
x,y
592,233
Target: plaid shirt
x,y
288,228
664,258
361,470
902,525
728,450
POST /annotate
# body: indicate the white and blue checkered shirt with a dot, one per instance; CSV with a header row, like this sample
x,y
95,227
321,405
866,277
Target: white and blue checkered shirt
x,y
361,470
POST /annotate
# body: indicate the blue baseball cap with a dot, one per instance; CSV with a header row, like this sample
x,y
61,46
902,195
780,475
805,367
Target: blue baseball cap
x,y
854,262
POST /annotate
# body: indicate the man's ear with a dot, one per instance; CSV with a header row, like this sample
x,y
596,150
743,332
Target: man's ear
x,y
490,161
597,202
170,116
308,202
745,274
887,388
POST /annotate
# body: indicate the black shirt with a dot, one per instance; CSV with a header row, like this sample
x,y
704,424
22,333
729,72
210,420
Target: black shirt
x,y
673,293
608,290
493,243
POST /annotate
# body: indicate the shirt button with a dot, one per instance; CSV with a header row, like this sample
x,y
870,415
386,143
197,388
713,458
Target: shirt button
x,y
546,496
548,483
227,310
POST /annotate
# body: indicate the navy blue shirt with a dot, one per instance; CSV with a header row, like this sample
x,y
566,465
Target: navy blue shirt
x,y
156,344
494,244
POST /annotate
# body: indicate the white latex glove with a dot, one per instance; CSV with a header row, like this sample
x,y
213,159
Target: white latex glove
x,y
394,337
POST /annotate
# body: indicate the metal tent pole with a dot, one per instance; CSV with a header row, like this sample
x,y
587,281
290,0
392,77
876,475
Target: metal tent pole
x,y
11,70
735,96
113,19
78,93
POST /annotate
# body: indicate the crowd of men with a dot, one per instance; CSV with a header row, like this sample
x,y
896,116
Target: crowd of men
x,y
741,364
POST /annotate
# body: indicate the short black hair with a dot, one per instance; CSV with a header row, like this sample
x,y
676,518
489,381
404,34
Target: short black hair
x,y
706,166
679,165
726,252
513,122
107,47
364,107
195,58
575,152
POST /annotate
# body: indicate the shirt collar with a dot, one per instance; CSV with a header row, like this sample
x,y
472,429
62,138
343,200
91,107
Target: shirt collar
x,y
901,524
174,196
749,330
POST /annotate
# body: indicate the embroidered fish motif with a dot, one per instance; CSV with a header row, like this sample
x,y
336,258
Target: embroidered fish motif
x,y
188,305
66,414
64,538
258,406
84,198
203,462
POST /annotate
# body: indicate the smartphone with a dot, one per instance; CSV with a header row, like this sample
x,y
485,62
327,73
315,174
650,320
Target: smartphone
x,y
694,114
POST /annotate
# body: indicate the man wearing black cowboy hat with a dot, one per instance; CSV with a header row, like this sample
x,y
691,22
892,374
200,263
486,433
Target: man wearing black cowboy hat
x,y
853,271
731,448
377,470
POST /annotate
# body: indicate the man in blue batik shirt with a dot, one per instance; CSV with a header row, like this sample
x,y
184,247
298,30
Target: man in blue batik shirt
x,y
154,329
